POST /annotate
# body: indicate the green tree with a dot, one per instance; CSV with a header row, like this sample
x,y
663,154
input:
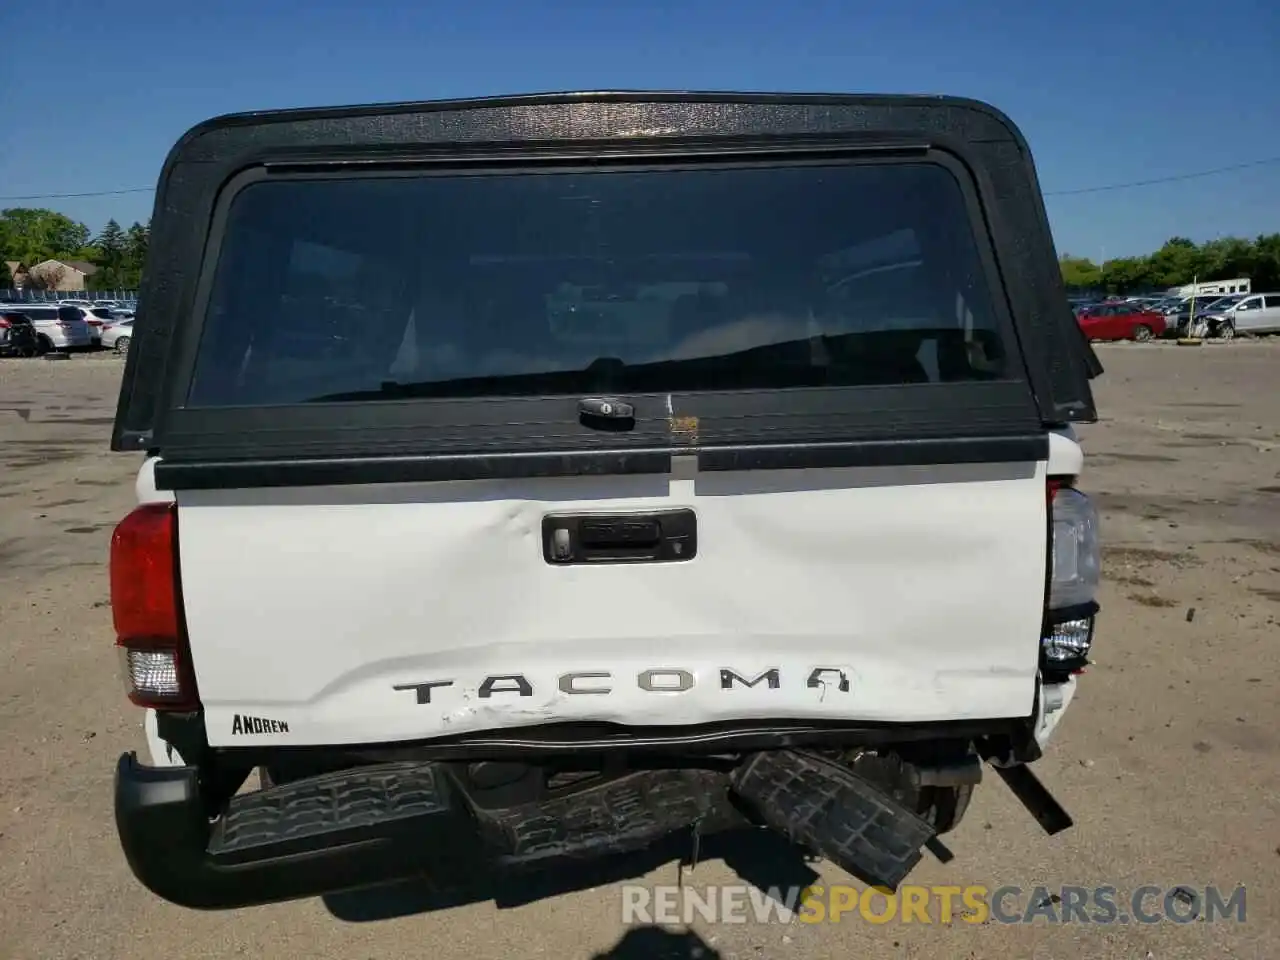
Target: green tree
x,y
110,256
1266,251
1176,263
136,242
1229,257
111,245
1079,273
1180,261
35,234
1126,274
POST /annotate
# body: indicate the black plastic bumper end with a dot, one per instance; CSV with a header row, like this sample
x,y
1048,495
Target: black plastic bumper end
x,y
165,834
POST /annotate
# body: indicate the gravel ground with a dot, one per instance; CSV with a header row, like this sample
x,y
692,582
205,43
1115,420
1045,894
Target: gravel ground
x,y
1169,760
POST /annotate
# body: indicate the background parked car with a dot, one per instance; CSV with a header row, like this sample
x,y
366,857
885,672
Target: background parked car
x,y
17,334
1179,321
1121,321
117,334
57,327
1254,314
97,318
120,309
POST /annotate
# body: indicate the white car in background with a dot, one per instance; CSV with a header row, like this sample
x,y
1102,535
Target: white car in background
x,y
98,318
58,327
93,316
117,334
1258,313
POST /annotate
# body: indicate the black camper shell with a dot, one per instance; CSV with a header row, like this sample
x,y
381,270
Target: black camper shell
x,y
405,435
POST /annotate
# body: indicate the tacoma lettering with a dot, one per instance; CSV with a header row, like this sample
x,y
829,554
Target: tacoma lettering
x,y
568,683
423,690
728,678
819,677
580,683
678,681
512,683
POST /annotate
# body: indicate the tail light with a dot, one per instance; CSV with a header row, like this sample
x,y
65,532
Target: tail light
x,y
1075,568
146,608
4,324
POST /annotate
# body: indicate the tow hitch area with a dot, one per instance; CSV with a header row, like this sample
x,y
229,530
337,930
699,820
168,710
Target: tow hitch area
x,y
396,821
828,808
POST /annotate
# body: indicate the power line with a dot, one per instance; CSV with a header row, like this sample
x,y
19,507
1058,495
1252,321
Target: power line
x,y
69,196
1147,183
1048,193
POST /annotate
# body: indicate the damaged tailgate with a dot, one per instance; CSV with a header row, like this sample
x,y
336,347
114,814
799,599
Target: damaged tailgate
x,y
655,410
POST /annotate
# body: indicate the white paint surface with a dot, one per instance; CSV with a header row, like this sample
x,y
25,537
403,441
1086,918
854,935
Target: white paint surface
x,y
924,585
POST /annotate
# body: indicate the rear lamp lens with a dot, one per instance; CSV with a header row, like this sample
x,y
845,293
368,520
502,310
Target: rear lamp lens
x,y
1077,551
1068,641
151,675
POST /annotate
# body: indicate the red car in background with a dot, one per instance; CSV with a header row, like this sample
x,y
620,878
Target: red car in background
x,y
1121,321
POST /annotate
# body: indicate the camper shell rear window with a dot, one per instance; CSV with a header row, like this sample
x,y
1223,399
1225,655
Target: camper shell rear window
x,y
687,279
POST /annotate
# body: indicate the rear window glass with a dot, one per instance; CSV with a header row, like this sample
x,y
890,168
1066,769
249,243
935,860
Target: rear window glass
x,y
102,313
568,283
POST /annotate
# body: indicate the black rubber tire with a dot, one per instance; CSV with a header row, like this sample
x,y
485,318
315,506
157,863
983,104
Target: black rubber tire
x,y
43,344
1142,333
942,807
122,345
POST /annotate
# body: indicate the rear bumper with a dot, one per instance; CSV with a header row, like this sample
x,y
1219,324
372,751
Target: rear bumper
x,y
173,849
381,824
457,821
463,831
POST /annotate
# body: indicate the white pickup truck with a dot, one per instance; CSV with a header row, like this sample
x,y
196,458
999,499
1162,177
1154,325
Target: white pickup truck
x,y
539,477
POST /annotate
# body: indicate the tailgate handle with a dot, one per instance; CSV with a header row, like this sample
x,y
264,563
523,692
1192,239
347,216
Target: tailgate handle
x,y
665,536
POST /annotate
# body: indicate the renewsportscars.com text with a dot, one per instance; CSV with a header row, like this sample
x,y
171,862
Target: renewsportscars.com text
x,y
974,904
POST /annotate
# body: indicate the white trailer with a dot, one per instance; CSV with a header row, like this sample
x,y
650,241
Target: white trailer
x,y
1219,287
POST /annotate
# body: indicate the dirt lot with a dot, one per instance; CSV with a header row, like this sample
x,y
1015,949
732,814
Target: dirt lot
x,y
1170,759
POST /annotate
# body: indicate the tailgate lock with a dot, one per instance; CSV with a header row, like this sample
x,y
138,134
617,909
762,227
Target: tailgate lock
x,y
661,537
561,547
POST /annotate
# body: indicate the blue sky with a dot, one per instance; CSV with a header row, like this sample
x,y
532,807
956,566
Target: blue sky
x,y
1106,92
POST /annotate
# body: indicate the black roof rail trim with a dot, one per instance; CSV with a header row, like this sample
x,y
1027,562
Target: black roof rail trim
x,y
549,98
327,471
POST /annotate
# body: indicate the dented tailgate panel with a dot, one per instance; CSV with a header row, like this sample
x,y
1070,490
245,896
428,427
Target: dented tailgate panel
x,y
416,611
